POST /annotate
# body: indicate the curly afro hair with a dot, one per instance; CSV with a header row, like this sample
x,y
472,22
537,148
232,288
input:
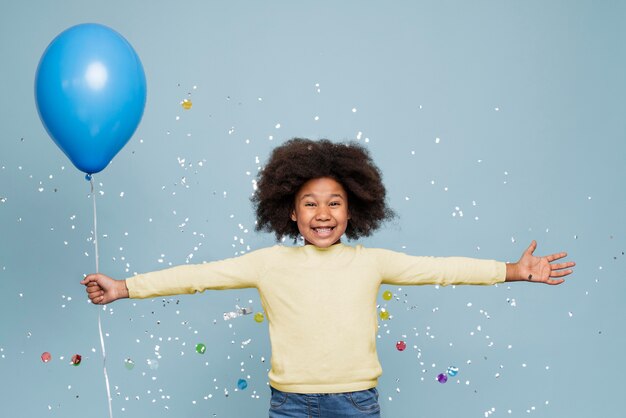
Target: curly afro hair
x,y
300,160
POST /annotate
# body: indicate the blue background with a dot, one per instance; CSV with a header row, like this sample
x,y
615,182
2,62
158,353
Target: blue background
x,y
494,123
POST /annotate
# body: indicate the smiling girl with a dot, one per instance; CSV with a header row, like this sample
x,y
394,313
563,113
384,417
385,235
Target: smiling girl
x,y
320,297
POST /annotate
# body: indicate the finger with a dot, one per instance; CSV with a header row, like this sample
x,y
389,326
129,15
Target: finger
x,y
556,256
561,273
93,286
561,266
96,299
549,280
531,248
94,291
90,278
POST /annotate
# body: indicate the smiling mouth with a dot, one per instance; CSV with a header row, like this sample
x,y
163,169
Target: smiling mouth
x,y
324,230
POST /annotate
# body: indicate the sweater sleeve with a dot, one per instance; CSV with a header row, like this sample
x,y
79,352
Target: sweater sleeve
x,y
231,273
402,269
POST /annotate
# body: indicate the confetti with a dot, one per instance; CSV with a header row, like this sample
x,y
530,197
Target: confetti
x,y
453,371
230,315
76,359
129,364
46,357
239,312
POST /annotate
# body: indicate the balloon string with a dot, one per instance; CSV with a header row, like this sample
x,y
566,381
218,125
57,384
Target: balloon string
x,y
104,355
95,224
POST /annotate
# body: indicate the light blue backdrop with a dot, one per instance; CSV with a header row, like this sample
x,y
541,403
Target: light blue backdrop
x,y
494,123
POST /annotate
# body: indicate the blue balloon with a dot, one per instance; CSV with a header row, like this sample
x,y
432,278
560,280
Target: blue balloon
x,y
90,90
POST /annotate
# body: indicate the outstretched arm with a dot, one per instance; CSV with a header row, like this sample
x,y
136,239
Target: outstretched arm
x,y
539,269
102,289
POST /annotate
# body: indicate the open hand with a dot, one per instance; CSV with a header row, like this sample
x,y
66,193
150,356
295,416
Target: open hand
x,y
540,269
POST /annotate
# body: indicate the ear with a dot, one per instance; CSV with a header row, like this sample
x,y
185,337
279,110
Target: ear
x,y
293,216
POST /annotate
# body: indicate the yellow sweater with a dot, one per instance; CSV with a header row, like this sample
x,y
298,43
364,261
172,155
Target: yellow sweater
x,y
320,303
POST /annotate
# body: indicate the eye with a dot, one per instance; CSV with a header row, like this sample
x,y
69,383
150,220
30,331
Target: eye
x,y
335,203
309,204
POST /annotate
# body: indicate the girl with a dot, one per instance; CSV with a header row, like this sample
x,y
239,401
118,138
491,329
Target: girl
x,y
320,298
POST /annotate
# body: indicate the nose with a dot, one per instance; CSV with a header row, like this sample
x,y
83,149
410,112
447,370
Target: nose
x,y
323,214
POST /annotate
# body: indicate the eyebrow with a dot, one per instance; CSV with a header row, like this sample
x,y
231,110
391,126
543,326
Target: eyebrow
x,y
313,195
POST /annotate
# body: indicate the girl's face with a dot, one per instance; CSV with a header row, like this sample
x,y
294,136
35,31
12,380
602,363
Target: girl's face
x,y
321,211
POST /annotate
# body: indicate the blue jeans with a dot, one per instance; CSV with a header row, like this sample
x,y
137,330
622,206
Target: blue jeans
x,y
363,403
